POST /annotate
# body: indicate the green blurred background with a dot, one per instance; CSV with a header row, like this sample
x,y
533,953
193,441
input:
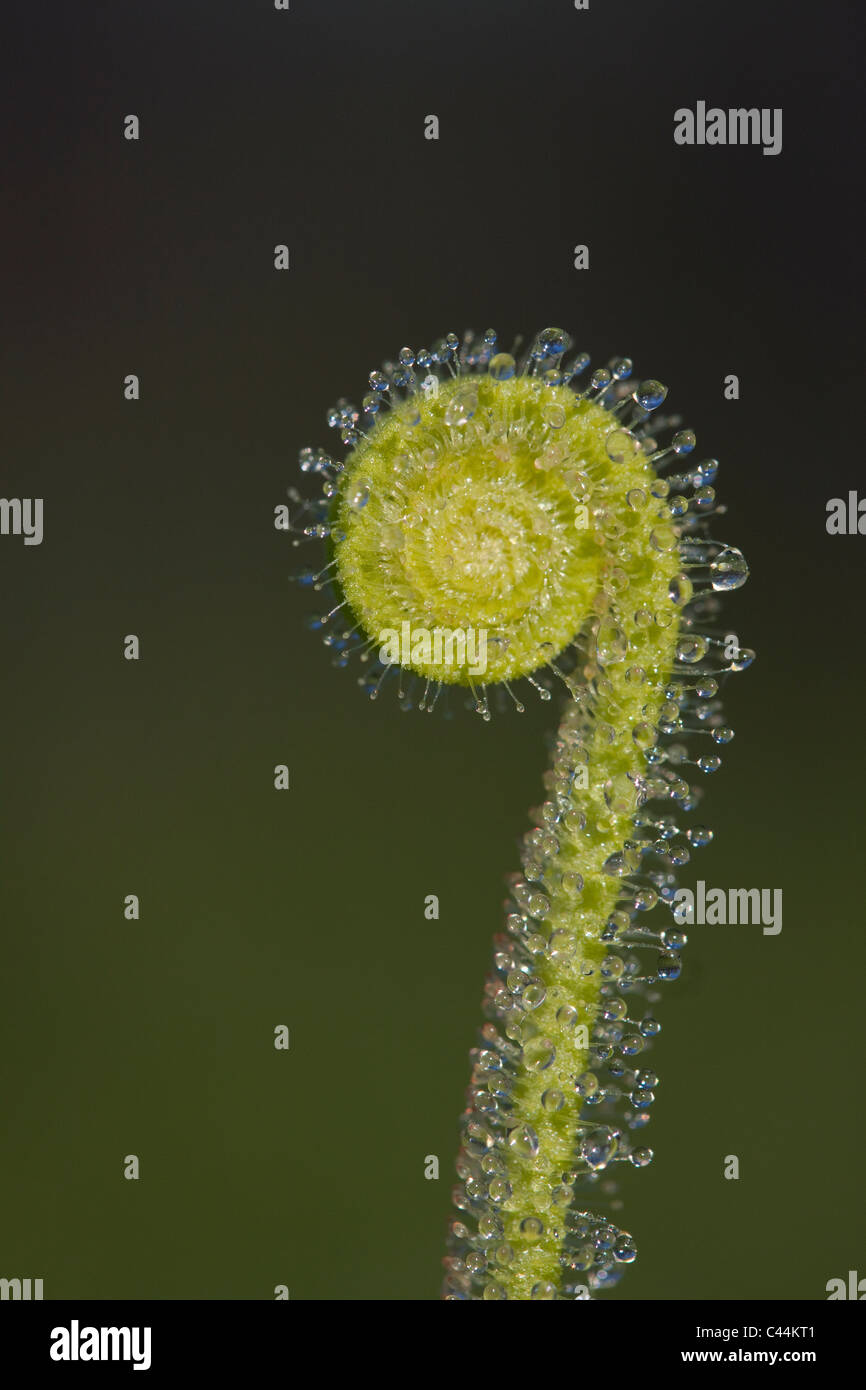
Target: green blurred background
x,y
155,777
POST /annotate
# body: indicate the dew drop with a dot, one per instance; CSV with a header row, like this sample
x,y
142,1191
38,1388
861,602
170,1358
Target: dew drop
x,y
489,1061
561,945
577,483
620,446
543,1291
549,458
462,406
502,367
359,497
539,1054
621,794
680,590
572,883
553,415
532,1228
663,540
489,1227
611,644
644,735
534,995
538,905
524,1141
552,1100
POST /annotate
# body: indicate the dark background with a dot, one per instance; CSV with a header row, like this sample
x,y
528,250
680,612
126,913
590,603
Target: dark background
x,y
306,908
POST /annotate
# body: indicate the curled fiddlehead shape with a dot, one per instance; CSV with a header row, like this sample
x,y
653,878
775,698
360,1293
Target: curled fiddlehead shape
x,y
499,521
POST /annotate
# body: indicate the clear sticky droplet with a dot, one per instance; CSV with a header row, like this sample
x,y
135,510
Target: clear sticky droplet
x,y
692,649
624,1248
553,341
598,1148
650,394
729,570
586,1084
683,442
669,966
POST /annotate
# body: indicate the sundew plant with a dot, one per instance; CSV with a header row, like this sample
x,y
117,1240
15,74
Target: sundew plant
x,y
505,526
